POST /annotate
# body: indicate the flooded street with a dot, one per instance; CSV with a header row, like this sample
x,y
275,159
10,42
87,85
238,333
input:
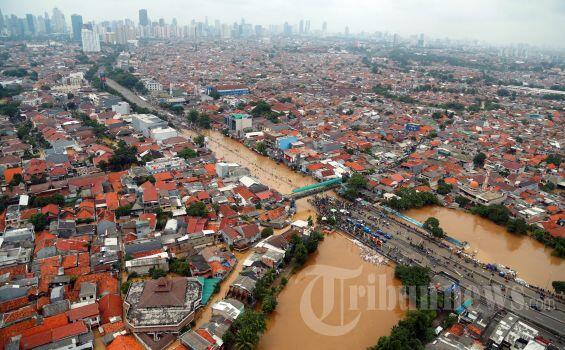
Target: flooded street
x,y
335,251
531,259
224,287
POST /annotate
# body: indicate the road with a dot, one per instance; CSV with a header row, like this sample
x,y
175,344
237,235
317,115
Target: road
x,y
411,246
133,98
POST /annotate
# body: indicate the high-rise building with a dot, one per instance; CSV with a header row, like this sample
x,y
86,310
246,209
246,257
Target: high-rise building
x,y
76,21
307,27
58,24
2,23
346,31
301,27
287,29
90,40
143,19
30,24
324,27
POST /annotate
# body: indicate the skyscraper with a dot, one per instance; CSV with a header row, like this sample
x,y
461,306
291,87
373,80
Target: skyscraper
x,y
58,24
90,40
76,21
30,23
143,19
2,23
301,27
325,27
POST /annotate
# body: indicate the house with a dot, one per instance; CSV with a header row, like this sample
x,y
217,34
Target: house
x,y
88,313
87,292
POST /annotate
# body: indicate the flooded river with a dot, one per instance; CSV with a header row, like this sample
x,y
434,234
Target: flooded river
x,y
286,327
492,243
293,326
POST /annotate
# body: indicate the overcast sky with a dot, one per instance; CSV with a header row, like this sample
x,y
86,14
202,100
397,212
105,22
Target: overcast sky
x,y
539,22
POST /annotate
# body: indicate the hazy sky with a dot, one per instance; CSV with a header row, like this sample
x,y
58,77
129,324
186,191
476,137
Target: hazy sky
x,y
540,22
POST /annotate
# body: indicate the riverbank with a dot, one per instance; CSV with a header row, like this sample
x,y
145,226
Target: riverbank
x,y
493,243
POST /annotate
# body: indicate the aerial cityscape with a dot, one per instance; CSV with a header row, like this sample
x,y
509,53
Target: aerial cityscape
x,y
205,175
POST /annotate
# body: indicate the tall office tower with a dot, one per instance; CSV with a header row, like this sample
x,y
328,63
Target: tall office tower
x,y
48,24
143,19
307,27
421,40
175,23
41,29
161,21
76,21
58,24
301,27
324,27
30,24
2,22
90,40
346,31
287,29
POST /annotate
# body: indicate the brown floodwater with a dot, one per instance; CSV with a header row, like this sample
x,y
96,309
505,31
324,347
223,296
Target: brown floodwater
x,y
288,327
301,321
493,244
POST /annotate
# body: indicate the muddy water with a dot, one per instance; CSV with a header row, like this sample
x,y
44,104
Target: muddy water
x,y
492,243
286,327
224,287
291,326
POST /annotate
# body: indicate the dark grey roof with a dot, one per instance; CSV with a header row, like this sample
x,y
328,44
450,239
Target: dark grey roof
x,y
143,246
56,158
10,292
56,308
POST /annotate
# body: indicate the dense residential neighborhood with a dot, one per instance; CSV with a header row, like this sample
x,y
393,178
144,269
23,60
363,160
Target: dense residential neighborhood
x,y
134,213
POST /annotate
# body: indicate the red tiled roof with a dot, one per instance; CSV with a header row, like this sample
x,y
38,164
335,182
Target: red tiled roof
x,y
110,306
86,311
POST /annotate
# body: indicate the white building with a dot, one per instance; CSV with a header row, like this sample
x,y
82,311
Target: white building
x,y
143,123
90,41
159,134
152,85
121,108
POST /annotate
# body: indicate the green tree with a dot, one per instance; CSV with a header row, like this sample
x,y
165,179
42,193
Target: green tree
x,y
269,303
193,116
479,159
125,287
187,153
462,201
197,209
432,225
16,180
262,108
261,148
519,226
180,267
267,232
558,286
123,211
443,188
39,221
204,121
157,273
199,140
300,253
215,94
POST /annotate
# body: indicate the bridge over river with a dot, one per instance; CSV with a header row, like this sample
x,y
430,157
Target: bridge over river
x,y
310,190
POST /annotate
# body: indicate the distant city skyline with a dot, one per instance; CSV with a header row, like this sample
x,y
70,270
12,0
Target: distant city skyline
x,y
540,23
